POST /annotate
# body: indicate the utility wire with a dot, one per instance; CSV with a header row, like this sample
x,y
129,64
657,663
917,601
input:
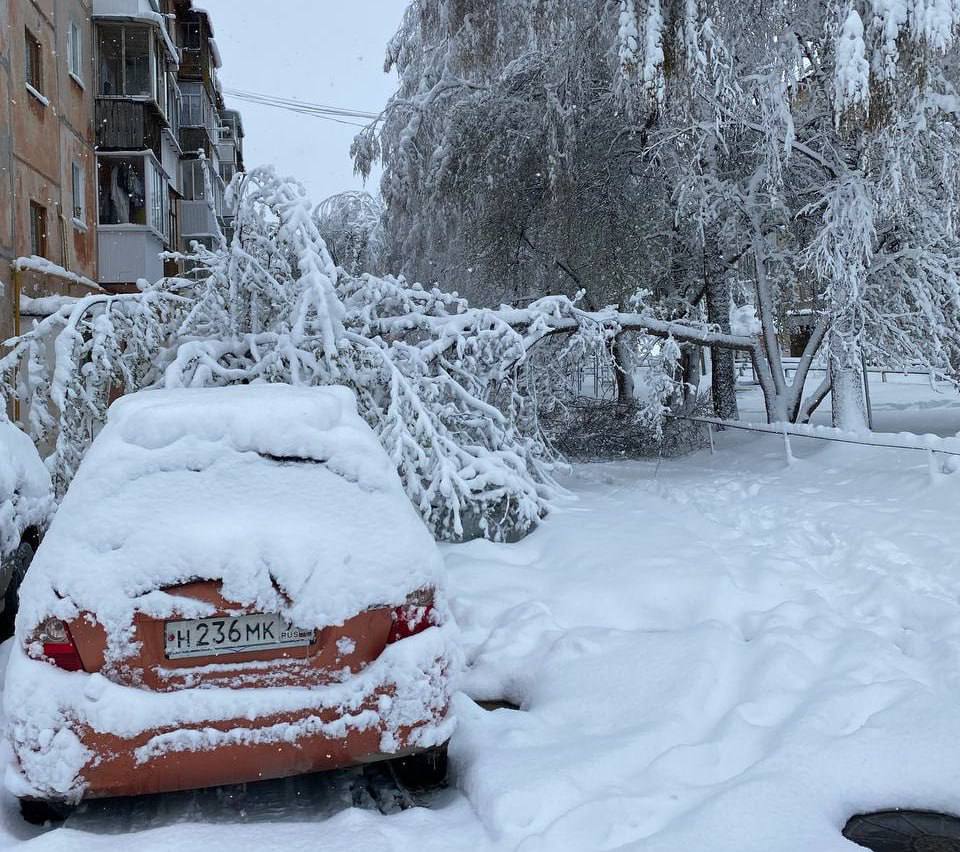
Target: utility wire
x,y
321,111
305,104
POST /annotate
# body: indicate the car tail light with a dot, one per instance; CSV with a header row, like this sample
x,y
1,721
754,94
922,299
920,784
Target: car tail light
x,y
413,617
58,647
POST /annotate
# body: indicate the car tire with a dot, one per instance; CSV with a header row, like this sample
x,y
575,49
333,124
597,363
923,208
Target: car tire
x,y
423,770
38,812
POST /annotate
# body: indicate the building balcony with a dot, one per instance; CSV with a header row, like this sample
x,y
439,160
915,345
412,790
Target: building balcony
x,y
197,220
127,253
147,11
137,9
128,125
193,139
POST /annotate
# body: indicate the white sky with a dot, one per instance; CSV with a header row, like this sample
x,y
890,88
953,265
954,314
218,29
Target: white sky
x,y
324,51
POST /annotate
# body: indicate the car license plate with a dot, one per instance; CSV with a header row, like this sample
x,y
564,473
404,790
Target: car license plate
x,y
208,637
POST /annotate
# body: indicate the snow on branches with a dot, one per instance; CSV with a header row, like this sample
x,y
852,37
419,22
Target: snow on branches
x,y
272,306
852,77
443,385
102,345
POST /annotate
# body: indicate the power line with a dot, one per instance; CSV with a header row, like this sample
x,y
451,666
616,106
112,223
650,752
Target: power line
x,y
304,104
321,111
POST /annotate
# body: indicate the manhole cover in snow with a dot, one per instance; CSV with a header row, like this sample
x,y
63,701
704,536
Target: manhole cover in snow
x,y
905,831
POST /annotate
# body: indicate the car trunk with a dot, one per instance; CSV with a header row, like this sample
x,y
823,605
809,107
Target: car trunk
x,y
329,655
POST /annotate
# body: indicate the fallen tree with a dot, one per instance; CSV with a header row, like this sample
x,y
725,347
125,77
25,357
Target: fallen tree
x,y
441,384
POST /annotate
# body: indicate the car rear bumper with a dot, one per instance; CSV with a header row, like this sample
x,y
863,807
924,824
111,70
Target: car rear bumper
x,y
233,752
77,736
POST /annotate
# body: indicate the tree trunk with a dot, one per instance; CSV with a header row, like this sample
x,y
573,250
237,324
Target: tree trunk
x,y
623,366
848,396
723,365
690,367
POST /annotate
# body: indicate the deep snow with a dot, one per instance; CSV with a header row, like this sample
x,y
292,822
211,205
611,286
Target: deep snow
x,y
722,652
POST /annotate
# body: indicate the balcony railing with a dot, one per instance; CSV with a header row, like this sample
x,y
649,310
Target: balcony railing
x,y
124,125
196,219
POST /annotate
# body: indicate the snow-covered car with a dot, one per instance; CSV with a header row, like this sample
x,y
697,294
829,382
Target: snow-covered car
x,y
26,504
234,588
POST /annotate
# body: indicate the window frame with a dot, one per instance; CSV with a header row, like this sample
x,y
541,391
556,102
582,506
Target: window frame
x,y
75,52
153,63
78,183
155,193
186,28
33,62
39,227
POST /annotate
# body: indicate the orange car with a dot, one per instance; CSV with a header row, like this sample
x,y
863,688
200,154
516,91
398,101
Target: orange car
x,y
234,588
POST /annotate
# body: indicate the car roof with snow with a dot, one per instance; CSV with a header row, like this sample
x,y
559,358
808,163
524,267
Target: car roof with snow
x,y
283,493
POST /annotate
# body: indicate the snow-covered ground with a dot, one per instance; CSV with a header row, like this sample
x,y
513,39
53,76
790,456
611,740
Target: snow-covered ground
x,y
720,652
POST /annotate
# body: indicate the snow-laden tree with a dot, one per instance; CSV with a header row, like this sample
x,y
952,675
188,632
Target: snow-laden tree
x,y
351,224
65,370
808,147
510,164
823,136
272,306
443,384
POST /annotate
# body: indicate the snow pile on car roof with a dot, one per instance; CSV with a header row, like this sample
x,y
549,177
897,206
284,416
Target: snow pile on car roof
x,y
26,496
282,493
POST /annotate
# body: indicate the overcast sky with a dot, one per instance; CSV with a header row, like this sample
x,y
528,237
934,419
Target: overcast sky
x,y
323,51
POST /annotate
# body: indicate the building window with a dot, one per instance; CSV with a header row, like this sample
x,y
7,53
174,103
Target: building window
x,y
122,191
190,36
173,221
193,186
75,50
192,109
158,193
79,194
34,62
125,57
132,191
38,229
175,104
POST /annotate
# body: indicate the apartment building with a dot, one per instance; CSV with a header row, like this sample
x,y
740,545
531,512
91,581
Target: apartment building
x,y
201,122
159,105
106,106
138,153
47,160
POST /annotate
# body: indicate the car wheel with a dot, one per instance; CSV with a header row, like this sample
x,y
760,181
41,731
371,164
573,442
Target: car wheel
x,y
38,812
424,770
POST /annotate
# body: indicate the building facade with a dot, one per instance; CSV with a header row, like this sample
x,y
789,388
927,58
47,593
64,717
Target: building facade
x,y
105,106
201,124
47,159
158,106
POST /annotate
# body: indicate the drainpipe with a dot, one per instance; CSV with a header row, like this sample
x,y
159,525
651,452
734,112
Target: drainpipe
x,y
16,324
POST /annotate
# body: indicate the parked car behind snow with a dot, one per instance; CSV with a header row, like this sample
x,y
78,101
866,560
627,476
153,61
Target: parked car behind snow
x,y
26,504
235,588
